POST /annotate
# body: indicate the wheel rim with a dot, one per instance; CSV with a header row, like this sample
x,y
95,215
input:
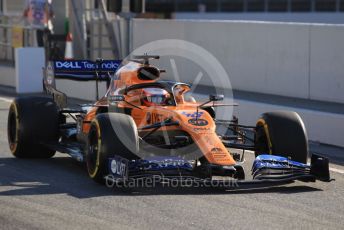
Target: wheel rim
x,y
12,130
92,155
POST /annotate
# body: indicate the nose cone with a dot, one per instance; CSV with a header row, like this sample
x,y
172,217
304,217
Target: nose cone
x,y
213,149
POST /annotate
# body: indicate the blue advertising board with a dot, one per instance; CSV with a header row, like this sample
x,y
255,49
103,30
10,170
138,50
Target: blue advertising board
x,y
86,66
84,70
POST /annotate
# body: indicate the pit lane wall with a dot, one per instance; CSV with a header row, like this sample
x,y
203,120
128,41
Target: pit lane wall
x,y
287,59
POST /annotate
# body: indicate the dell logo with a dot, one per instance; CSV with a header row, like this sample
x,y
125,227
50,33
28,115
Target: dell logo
x,y
67,65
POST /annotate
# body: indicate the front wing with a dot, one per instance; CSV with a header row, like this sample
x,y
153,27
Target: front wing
x,y
267,170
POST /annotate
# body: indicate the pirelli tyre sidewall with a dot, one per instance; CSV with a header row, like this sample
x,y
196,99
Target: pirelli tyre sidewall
x,y
282,133
103,143
32,121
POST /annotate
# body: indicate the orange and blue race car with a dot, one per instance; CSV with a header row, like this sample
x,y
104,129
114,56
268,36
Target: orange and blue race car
x,y
145,127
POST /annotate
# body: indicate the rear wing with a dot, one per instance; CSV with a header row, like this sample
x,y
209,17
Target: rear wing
x,y
78,70
82,70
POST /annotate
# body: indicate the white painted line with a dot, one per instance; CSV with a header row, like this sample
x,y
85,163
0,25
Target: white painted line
x,y
6,99
337,170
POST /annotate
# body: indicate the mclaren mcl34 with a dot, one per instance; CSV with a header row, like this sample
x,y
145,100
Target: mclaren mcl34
x,y
144,126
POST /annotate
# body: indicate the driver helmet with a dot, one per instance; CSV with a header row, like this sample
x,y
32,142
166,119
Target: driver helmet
x,y
155,96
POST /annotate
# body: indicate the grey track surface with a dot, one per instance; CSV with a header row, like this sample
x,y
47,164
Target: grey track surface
x,y
57,194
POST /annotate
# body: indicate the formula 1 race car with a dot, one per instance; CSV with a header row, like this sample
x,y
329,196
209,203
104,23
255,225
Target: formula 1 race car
x,y
145,127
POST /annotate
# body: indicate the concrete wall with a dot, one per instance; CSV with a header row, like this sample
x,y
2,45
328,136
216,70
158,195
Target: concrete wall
x,y
288,59
327,63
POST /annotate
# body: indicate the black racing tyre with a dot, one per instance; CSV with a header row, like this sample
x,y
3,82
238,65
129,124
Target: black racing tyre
x,y
110,134
31,122
282,133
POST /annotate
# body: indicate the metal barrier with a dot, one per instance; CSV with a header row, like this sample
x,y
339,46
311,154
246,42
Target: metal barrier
x,y
96,32
8,24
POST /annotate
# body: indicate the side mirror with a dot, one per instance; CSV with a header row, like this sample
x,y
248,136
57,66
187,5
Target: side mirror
x,y
218,97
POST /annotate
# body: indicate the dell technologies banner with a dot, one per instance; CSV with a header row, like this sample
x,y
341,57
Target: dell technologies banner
x,y
86,66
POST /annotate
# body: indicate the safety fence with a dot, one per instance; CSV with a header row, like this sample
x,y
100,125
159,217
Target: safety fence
x,y
14,34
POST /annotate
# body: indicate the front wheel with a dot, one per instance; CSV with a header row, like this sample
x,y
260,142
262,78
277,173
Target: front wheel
x,y
282,133
110,134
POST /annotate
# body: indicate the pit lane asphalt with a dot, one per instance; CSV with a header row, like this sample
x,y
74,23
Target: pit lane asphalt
x,y
57,194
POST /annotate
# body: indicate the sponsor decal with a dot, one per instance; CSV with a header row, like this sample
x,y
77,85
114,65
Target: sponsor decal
x,y
218,153
116,98
161,163
119,167
198,122
216,150
193,114
201,129
153,118
67,65
149,118
86,66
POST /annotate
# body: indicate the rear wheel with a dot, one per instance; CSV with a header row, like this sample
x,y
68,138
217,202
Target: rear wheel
x,y
282,133
32,121
110,134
